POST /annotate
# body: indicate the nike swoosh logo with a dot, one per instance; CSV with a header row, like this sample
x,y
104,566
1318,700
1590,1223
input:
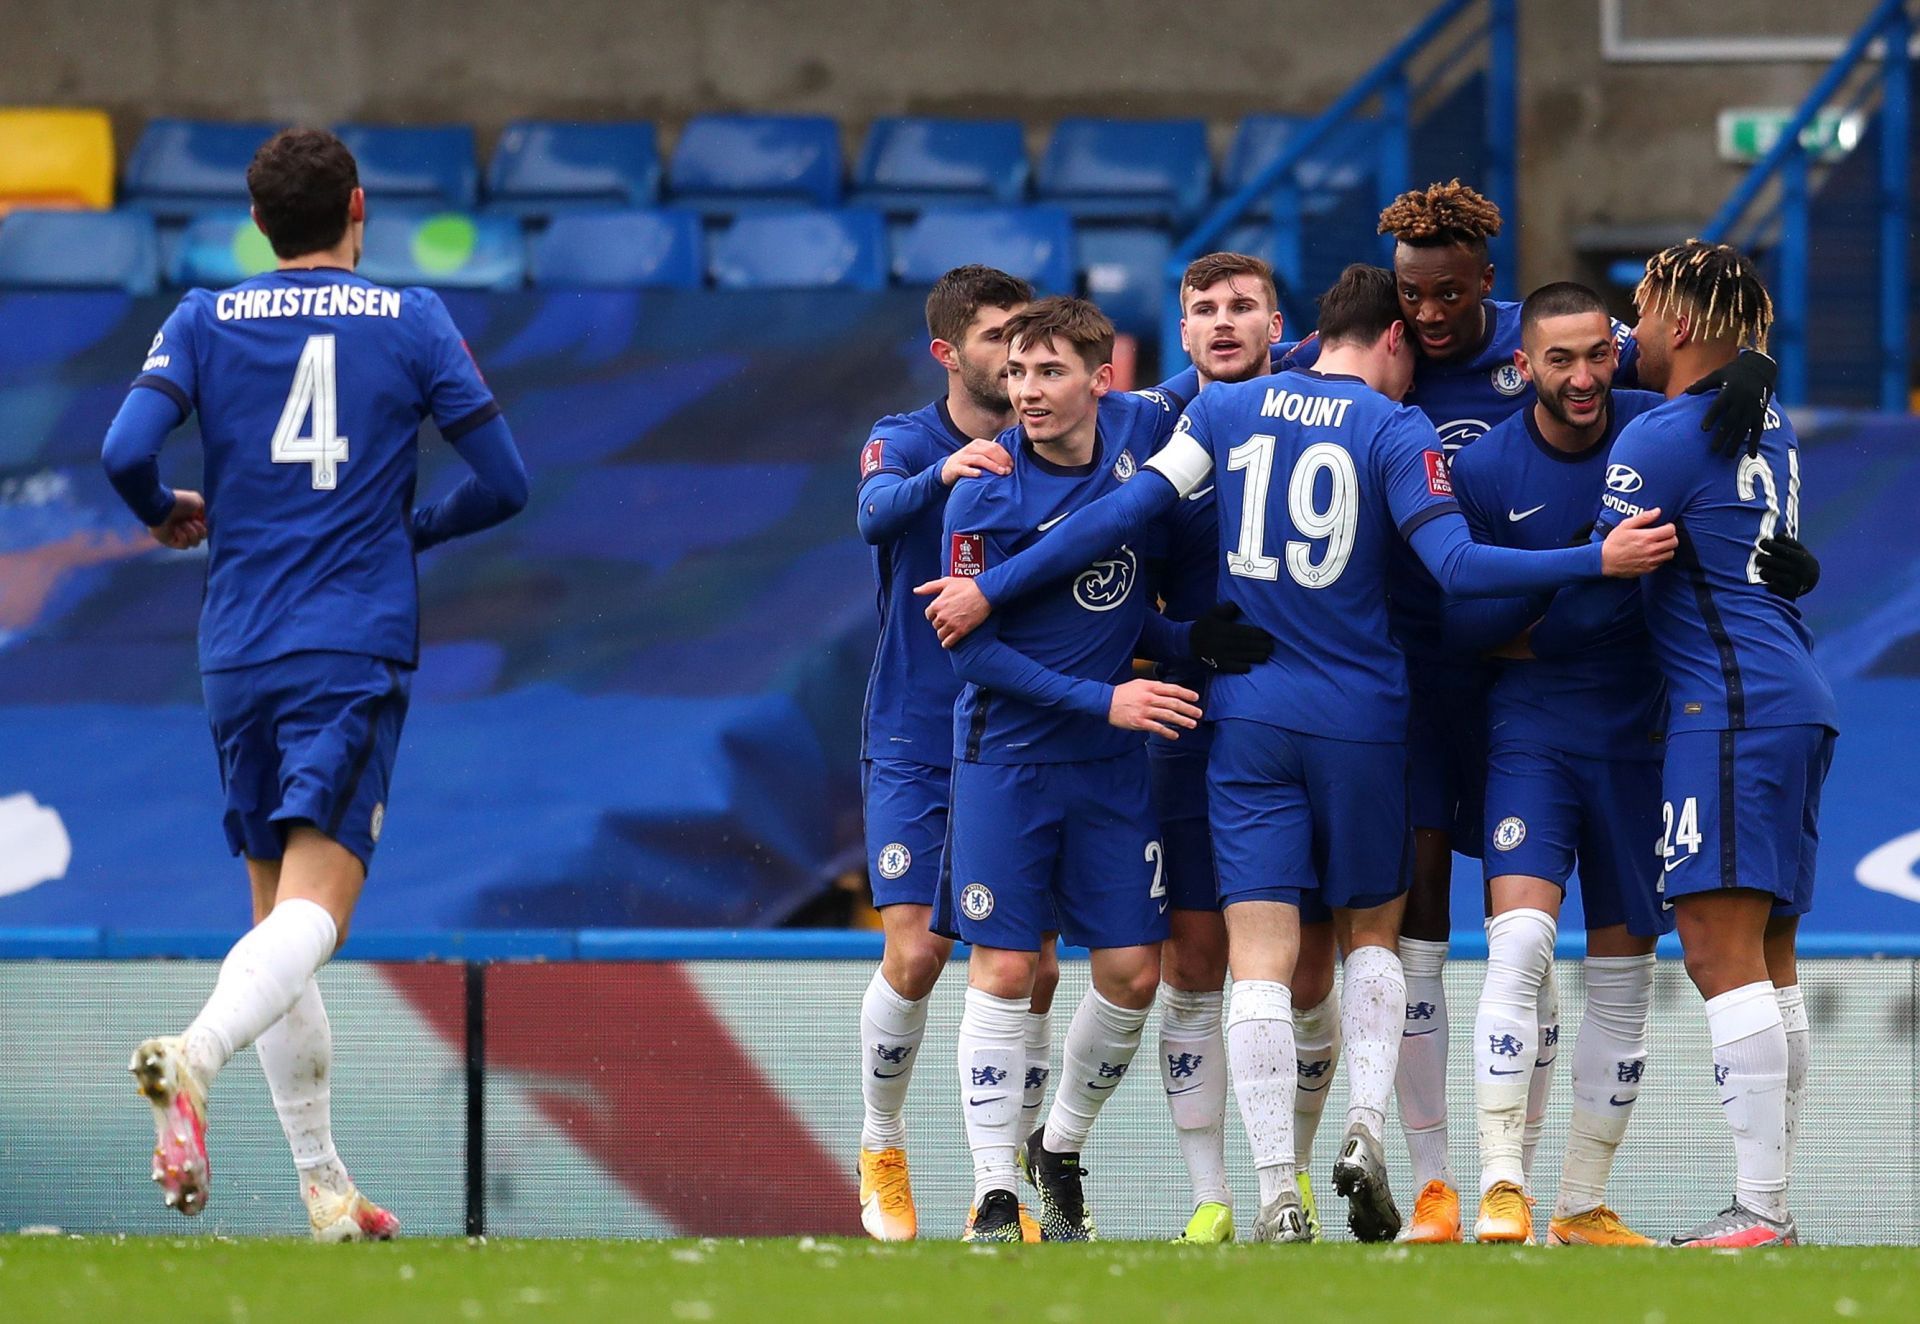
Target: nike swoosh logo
x,y
991,1098
1415,1034
1188,1090
1668,866
1195,496
1312,1089
1101,1088
1725,1102
1619,1102
878,1074
1517,515
1042,528
1496,1071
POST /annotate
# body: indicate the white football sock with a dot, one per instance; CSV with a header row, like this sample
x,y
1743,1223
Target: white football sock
x,y
1540,1088
1608,1061
1373,1009
262,977
296,1054
891,1028
1506,1038
1033,1095
1793,1018
1260,1046
1316,1050
1750,1068
1193,1069
1421,1086
992,1054
1101,1041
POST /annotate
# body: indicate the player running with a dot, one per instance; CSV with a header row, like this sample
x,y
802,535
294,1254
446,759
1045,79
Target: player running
x,y
1050,811
310,383
1466,382
1306,780
908,465
1750,718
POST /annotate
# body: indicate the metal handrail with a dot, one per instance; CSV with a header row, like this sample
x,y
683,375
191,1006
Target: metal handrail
x,y
1389,80
1786,164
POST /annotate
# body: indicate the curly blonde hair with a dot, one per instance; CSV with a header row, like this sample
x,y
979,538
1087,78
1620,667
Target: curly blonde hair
x,y
1717,284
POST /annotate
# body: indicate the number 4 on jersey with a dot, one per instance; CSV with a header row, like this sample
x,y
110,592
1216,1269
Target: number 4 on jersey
x,y
312,398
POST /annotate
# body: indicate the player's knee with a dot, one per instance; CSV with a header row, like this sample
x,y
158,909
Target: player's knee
x,y
1194,968
1131,984
1003,973
912,964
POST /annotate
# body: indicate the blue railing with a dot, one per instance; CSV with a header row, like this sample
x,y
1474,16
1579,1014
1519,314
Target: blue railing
x,y
482,946
1395,85
1787,168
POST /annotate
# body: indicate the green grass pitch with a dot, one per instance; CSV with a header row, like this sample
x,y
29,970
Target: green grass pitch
x,y
854,1282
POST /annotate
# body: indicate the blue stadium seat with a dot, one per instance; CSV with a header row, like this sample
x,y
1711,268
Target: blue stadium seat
x,y
1122,268
542,167
909,165
79,250
415,166
1342,161
448,250
724,164
619,250
820,249
218,249
1146,171
1035,243
182,167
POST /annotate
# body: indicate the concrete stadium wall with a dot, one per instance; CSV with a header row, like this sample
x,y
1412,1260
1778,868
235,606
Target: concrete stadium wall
x,y
1603,144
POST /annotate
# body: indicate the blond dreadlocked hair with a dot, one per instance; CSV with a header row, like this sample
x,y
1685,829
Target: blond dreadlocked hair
x,y
1717,284
1442,215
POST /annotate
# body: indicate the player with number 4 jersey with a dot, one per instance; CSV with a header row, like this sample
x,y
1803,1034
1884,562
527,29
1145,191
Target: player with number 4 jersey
x,y
310,383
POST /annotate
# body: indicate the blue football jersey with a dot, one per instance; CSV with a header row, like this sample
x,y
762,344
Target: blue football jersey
x,y
1086,628
911,688
1465,398
1318,480
1516,490
311,386
1735,655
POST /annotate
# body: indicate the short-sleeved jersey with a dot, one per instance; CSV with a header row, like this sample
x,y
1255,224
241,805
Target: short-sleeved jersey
x,y
1088,627
1517,490
1465,398
311,386
1318,480
1735,655
911,688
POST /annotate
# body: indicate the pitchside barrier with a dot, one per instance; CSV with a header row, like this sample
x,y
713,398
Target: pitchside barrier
x,y
653,1083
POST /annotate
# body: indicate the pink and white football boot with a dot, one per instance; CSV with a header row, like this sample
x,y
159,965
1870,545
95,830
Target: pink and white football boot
x,y
180,1166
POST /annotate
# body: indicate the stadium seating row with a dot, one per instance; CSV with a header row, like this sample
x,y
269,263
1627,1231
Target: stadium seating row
x,y
1151,172
802,248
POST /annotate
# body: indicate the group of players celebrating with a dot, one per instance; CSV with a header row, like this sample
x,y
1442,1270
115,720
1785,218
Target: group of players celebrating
x,y
1429,580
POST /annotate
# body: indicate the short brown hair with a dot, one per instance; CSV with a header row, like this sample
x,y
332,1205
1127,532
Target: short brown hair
x,y
963,292
1063,320
1205,272
1562,298
1360,307
302,181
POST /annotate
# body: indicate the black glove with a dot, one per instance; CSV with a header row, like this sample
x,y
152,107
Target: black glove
x,y
1737,417
1787,568
1223,643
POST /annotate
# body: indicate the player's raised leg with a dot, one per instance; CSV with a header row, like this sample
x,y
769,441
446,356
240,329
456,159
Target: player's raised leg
x,y
262,978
